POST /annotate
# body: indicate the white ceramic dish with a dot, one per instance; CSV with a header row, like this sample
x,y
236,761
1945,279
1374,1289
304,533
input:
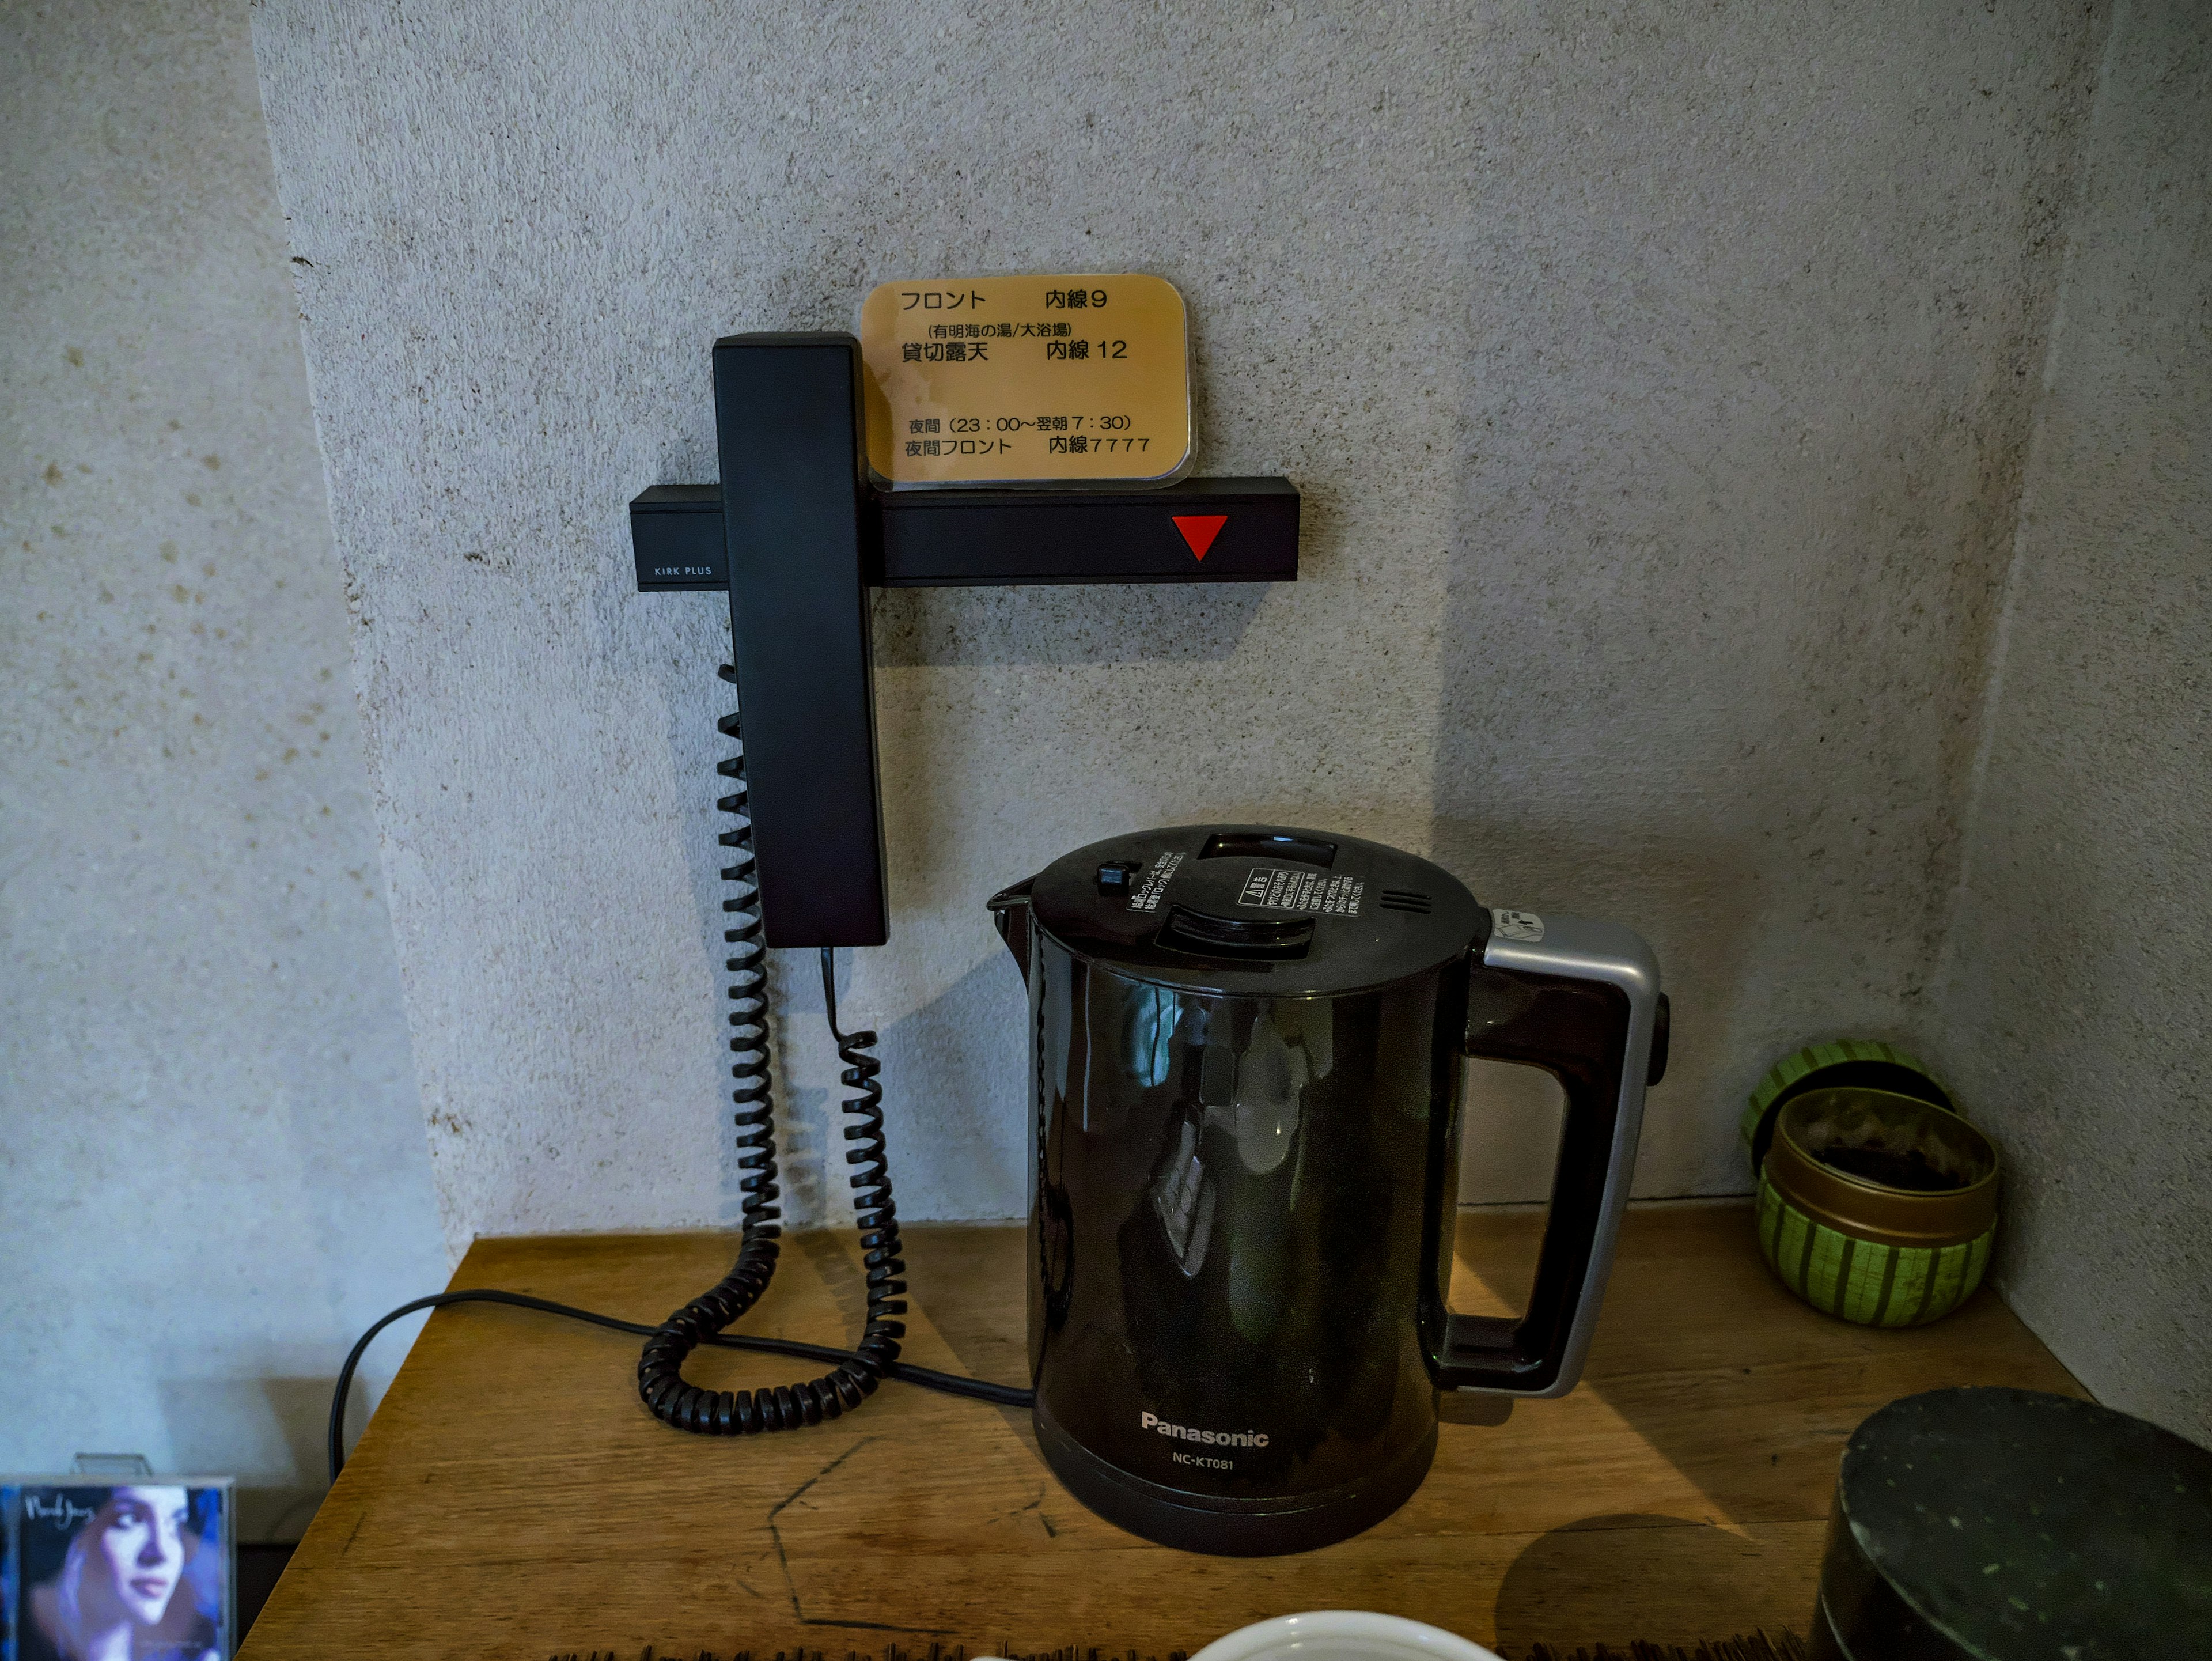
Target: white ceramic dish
x,y
1342,1635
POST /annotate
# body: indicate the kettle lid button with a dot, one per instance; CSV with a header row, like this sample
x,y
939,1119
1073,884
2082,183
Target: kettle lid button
x,y
1115,877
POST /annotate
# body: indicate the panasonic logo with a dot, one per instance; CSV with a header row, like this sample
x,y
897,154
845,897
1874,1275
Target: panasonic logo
x,y
1220,1439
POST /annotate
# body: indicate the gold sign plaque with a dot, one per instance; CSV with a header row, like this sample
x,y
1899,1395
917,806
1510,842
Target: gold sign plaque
x,y
1027,380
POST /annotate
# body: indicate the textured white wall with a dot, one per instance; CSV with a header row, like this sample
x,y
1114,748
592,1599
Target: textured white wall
x,y
1658,384
2081,982
212,1160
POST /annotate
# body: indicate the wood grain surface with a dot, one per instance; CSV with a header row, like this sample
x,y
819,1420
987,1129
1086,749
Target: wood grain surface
x,y
512,1499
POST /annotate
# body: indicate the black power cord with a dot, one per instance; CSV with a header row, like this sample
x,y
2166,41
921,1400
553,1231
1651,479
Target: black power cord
x,y
904,1372
853,1378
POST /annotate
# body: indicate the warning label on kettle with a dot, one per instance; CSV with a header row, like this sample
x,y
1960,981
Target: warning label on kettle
x,y
1275,888
1147,897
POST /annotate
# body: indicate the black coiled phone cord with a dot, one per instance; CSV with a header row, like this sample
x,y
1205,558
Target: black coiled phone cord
x,y
660,1382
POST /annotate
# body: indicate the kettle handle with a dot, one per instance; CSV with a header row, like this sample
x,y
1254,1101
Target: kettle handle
x,y
1580,999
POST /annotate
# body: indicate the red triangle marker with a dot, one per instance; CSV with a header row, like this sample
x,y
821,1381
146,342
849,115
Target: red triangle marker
x,y
1199,530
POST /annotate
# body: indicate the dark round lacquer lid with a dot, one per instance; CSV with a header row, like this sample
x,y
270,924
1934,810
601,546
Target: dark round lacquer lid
x,y
1255,910
2019,1526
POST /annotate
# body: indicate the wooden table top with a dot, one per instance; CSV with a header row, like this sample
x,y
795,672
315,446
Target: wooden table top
x,y
512,1499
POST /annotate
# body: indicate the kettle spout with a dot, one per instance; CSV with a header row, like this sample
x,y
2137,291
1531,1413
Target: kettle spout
x,y
1010,910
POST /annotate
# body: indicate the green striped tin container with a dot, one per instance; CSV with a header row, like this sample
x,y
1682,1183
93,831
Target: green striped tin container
x,y
1863,1250
1866,1062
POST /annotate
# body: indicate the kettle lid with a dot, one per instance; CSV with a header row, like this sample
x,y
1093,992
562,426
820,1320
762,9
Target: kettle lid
x,y
1255,910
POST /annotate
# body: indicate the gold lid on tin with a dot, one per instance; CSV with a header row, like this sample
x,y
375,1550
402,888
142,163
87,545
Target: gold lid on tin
x,y
1828,1143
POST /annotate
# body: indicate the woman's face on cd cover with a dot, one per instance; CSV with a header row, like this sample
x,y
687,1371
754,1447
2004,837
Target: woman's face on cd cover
x,y
142,1546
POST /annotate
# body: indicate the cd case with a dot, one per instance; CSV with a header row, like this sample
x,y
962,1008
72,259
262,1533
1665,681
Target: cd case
x,y
139,1567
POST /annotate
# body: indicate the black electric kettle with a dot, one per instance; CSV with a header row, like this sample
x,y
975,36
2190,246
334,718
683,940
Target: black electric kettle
x,y
1246,1046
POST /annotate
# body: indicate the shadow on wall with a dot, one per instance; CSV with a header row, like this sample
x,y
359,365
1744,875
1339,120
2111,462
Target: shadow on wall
x,y
969,1160
2080,1044
1509,1134
2049,1013
268,1432
1568,772
1711,909
1724,573
1060,626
